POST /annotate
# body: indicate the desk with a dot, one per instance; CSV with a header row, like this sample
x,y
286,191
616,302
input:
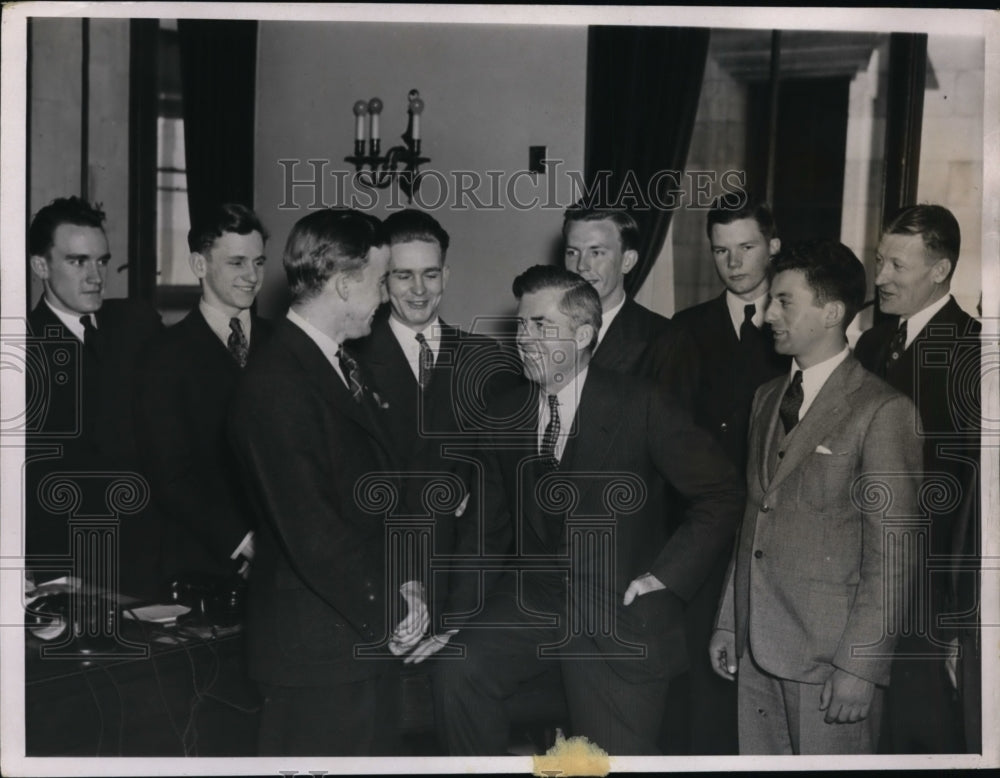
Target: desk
x,y
187,698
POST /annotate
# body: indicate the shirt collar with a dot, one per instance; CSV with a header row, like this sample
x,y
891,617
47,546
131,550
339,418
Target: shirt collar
x,y
407,339
607,317
916,323
736,306
326,344
815,376
218,321
70,321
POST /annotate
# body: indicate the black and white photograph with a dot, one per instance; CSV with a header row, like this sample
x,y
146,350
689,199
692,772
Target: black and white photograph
x,y
530,389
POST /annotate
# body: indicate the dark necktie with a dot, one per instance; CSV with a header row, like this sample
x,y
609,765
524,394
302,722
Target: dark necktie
x,y
747,329
425,361
791,402
352,372
89,334
896,347
551,434
237,343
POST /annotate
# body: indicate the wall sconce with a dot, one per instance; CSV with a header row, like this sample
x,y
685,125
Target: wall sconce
x,y
383,170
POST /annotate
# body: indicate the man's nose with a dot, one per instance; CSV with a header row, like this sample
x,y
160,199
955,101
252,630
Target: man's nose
x,y
418,284
770,312
252,272
881,274
95,274
733,260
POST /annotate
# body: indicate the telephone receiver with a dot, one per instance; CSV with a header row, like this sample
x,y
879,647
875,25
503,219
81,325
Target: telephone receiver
x,y
217,600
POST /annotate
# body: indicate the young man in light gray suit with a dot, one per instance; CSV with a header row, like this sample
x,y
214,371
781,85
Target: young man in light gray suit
x,y
833,469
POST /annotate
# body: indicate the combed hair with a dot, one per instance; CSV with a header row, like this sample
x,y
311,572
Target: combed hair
x,y
410,224
580,301
727,209
832,271
213,222
628,229
63,210
936,225
326,242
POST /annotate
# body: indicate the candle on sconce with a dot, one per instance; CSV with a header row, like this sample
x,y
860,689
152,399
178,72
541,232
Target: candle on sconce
x,y
374,109
360,110
416,108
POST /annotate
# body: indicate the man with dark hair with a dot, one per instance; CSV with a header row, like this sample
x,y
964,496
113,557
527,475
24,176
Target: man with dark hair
x,y
184,395
583,445
602,245
803,617
435,380
88,403
305,429
712,359
929,349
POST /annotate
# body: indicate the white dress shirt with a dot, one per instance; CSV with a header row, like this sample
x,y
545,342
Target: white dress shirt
x,y
607,317
411,346
218,321
736,306
814,377
916,323
71,321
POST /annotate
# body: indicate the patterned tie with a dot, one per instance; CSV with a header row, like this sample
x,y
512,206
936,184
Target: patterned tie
x,y
237,343
425,361
89,334
896,347
352,371
747,328
791,402
551,434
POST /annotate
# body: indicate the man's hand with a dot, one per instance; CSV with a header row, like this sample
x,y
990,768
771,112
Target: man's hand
x,y
409,631
644,584
722,653
428,647
846,698
461,508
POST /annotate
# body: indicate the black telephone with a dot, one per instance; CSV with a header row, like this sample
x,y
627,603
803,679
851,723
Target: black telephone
x,y
216,600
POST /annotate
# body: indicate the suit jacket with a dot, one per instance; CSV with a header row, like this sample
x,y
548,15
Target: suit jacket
x,y
317,584
701,361
940,372
625,432
810,577
186,386
83,415
625,347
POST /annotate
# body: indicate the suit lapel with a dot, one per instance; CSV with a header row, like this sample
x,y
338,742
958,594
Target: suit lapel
x,y
766,432
827,411
619,340
597,420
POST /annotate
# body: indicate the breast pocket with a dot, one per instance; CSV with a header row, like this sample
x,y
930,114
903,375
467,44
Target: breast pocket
x,y
825,484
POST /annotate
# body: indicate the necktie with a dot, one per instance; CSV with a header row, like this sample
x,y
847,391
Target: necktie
x,y
425,361
237,343
896,347
352,372
747,328
551,434
791,402
89,333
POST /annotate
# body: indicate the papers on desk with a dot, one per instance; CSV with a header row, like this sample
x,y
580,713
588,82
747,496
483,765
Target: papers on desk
x,y
156,614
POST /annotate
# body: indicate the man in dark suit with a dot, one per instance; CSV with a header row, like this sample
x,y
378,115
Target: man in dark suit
x,y
90,347
305,430
603,445
929,349
832,471
712,359
184,395
435,380
602,245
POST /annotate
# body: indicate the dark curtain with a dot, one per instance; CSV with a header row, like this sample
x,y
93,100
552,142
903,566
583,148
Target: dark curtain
x,y
643,85
218,73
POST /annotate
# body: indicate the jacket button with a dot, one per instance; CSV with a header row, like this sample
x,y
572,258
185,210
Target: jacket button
x,y
765,508
371,598
723,426
758,554
781,455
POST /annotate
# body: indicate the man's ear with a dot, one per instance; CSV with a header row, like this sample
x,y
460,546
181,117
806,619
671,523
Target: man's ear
x,y
834,313
199,265
773,247
39,266
445,272
342,284
629,259
940,270
583,335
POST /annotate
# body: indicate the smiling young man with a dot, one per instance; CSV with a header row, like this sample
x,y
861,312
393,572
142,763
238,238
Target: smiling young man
x,y
86,408
929,349
712,359
807,588
187,386
602,245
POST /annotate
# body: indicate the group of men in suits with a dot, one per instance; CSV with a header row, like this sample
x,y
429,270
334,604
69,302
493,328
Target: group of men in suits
x,y
258,442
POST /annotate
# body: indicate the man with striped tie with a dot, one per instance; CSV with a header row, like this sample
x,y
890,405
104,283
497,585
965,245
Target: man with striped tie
x,y
186,386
